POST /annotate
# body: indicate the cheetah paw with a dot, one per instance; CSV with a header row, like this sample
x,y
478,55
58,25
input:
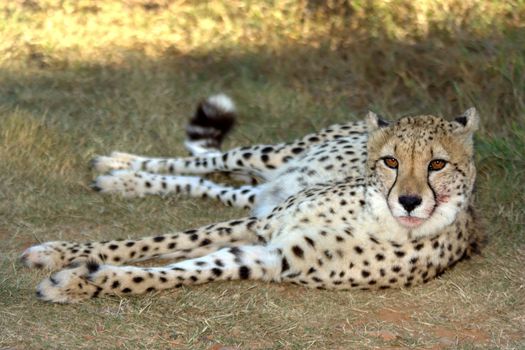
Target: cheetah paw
x,y
124,182
49,255
116,161
70,285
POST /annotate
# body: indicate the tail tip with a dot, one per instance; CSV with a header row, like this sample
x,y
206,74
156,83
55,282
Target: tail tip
x,y
222,102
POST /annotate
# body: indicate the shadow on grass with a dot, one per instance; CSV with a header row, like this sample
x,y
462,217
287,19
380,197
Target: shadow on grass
x,y
438,74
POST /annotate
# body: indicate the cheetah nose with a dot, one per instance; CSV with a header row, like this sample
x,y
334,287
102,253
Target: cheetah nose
x,y
410,202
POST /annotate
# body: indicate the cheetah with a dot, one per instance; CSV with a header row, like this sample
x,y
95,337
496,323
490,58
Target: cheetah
x,y
369,204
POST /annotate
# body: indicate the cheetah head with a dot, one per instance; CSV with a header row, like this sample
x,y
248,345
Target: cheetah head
x,y
422,169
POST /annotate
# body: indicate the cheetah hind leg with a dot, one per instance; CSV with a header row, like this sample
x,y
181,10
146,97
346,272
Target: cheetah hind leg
x,y
89,279
138,184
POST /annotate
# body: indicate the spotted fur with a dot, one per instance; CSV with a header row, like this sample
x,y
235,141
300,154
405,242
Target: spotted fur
x,y
359,205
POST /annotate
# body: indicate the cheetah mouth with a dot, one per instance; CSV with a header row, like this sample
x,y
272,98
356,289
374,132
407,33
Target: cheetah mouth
x,y
410,221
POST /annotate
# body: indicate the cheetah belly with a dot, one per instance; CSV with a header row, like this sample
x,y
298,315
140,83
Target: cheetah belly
x,y
320,164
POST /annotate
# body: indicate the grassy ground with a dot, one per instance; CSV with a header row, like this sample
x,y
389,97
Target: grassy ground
x,y
79,78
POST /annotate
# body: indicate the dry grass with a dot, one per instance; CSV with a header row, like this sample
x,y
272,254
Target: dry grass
x,y
79,78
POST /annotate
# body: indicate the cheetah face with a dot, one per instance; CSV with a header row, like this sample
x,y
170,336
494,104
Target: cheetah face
x,y
423,169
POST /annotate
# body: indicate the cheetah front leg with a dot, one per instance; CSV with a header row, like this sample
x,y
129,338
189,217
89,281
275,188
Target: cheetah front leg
x,y
180,245
89,280
139,183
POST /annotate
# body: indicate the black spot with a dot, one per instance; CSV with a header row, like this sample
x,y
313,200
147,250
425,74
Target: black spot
x,y
374,240
298,251
219,263
115,284
172,245
419,246
216,271
204,242
130,244
194,237
138,279
358,249
163,279
159,239
92,266
126,290
365,273
297,150
284,264
310,241
399,253
380,257
113,247
244,272
236,251
396,268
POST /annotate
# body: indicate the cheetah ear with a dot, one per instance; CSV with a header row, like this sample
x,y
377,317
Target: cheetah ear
x,y
375,122
468,121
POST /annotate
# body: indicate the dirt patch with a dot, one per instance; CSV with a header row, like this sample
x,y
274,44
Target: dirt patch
x,y
448,336
394,316
384,335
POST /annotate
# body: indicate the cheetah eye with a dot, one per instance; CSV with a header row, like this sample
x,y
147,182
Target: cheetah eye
x,y
436,164
391,162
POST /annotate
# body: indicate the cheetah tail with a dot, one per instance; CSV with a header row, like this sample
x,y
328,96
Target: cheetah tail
x,y
212,120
